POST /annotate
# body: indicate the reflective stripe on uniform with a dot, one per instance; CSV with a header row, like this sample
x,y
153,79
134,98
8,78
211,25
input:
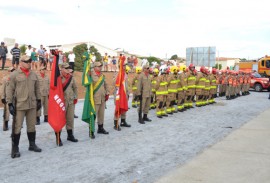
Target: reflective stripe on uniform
x,y
172,90
161,92
163,83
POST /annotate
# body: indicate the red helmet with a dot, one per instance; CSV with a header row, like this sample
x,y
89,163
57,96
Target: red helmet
x,y
202,69
168,70
214,71
191,65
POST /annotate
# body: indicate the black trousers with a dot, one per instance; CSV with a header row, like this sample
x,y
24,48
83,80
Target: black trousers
x,y
3,58
71,65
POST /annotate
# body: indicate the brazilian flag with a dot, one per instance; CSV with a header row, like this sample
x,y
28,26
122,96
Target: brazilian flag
x,y
89,113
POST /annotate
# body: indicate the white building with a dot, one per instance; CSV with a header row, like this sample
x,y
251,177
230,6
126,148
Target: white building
x,y
227,62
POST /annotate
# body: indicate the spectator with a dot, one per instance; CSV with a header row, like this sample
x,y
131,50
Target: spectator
x,y
34,59
109,63
114,64
41,56
3,54
130,62
28,51
61,57
15,52
144,62
50,60
105,62
46,58
93,57
71,58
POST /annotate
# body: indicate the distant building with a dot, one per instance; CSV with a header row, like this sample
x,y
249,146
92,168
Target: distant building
x,y
227,62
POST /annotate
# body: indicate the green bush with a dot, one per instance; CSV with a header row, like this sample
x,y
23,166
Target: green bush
x,y
23,49
151,59
79,50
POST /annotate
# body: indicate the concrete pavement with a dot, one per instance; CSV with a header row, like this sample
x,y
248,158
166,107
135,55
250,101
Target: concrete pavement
x,y
242,157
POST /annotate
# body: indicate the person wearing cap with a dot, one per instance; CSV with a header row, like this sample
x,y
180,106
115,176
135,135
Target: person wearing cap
x,y
3,92
144,91
71,98
3,54
44,85
15,52
101,95
23,98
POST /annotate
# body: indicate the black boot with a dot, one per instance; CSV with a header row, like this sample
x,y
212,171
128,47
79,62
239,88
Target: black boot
x,y
75,116
70,136
46,118
58,142
116,126
5,126
124,123
102,130
38,121
15,146
32,144
140,119
92,135
145,118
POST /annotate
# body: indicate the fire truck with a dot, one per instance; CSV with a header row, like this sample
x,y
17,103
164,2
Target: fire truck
x,y
262,66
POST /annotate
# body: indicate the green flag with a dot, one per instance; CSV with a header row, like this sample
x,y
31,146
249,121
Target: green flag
x,y
89,113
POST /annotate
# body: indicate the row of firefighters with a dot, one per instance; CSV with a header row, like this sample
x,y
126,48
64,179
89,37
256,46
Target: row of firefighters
x,y
176,88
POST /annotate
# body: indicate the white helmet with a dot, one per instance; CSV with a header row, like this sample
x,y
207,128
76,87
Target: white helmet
x,y
163,70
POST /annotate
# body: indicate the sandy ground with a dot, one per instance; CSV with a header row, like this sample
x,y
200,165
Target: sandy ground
x,y
142,153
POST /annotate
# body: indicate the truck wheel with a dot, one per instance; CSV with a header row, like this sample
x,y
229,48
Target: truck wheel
x,y
258,87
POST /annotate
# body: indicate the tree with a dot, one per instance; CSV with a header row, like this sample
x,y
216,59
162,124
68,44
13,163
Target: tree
x,y
219,66
78,51
97,54
174,57
23,49
151,59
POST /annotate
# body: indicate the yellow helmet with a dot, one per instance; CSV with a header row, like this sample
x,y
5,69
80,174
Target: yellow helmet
x,y
127,69
183,68
156,70
138,69
173,69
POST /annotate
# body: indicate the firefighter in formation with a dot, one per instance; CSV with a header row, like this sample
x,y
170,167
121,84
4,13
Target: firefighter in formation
x,y
175,89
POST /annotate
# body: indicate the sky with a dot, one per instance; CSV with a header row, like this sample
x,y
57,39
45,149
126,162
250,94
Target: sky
x,y
161,28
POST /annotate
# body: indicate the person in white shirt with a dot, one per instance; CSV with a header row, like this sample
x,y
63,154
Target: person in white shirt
x,y
28,51
71,58
144,62
93,57
173,62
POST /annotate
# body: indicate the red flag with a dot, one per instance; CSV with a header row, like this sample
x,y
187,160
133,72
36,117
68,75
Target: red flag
x,y
121,102
56,111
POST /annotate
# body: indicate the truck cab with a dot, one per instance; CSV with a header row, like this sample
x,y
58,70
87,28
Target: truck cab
x,y
259,83
264,66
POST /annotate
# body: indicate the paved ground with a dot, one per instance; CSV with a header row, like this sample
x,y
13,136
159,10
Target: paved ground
x,y
242,157
142,153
